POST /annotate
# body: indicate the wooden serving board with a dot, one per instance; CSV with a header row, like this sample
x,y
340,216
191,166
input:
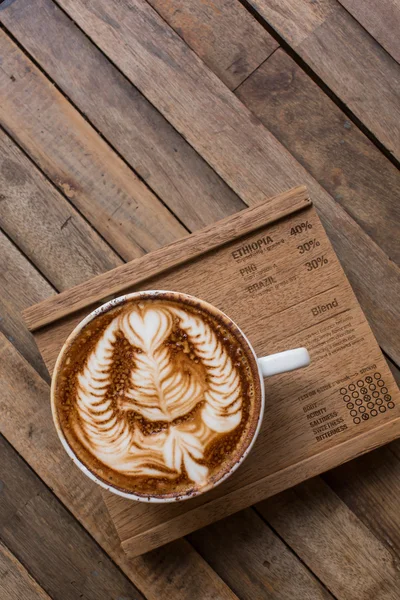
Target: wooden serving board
x,y
274,271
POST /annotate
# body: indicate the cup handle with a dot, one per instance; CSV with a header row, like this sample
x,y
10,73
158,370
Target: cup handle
x,y
284,361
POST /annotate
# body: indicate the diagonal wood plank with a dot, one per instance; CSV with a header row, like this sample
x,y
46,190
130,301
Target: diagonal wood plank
x,y
381,18
18,274
45,226
78,160
164,160
231,139
225,36
370,486
16,582
260,571
346,163
312,127
170,572
56,550
345,57
333,542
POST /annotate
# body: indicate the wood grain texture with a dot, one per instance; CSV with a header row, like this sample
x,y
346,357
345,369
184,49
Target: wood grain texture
x,y
255,563
46,227
16,583
316,132
17,274
231,139
333,542
56,550
345,57
381,18
162,157
370,486
177,253
78,160
222,33
344,161
176,571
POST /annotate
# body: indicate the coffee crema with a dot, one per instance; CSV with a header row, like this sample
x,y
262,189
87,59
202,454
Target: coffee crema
x,y
158,396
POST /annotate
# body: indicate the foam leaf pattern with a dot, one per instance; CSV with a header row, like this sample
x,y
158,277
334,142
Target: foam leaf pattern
x,y
158,391
223,407
101,428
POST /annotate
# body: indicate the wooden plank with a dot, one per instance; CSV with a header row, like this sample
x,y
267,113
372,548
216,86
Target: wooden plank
x,y
17,274
222,33
260,569
344,161
233,141
45,226
78,160
370,486
162,157
177,253
335,152
56,550
333,542
381,19
345,57
16,583
168,573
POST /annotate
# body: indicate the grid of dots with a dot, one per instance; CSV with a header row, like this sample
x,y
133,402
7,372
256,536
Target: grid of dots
x,y
366,398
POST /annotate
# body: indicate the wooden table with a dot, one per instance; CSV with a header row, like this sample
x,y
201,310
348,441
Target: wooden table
x,y
126,125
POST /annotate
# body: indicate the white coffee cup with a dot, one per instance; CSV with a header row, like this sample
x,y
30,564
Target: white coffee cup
x,y
273,364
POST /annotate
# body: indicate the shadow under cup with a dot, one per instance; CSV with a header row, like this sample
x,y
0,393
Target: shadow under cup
x,y
147,448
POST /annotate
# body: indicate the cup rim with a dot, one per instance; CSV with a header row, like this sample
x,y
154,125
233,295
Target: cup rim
x,y
131,495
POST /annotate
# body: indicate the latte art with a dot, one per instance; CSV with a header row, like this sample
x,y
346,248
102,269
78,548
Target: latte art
x,y
157,397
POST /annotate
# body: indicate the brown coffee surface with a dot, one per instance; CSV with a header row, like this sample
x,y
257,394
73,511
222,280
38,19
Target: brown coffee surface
x,y
158,396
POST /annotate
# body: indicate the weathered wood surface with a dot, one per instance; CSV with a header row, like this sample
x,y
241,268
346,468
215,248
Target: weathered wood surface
x,y
340,157
381,18
52,545
78,160
261,569
301,116
45,226
17,274
188,185
222,33
224,132
16,583
345,57
353,564
154,149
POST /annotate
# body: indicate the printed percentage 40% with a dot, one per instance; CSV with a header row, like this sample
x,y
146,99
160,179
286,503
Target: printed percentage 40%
x,y
300,228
